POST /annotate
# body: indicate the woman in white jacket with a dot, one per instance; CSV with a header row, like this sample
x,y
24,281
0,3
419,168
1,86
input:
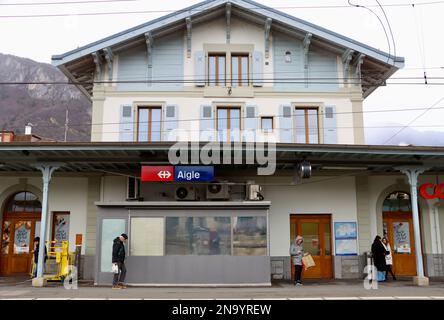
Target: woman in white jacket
x,y
388,258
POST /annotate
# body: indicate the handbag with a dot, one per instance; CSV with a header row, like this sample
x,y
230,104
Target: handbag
x,y
307,261
115,268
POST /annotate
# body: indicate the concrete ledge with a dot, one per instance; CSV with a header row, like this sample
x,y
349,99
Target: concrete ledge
x,y
39,282
420,281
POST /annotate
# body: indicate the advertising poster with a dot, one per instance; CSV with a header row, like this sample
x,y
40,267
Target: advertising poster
x,y
346,238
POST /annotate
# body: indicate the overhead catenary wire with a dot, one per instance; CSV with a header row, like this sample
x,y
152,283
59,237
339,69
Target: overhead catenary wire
x,y
58,3
198,10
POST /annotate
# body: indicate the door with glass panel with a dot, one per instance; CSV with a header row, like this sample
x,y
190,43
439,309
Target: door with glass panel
x,y
398,228
316,230
149,127
228,124
21,223
307,125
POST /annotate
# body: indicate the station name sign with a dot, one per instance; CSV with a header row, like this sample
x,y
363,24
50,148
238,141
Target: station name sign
x,y
177,174
431,191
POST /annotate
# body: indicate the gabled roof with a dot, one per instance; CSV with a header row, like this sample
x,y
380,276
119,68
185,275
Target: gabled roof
x,y
78,63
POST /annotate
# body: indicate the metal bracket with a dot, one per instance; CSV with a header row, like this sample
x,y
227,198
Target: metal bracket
x,y
149,48
268,22
359,60
228,17
109,57
306,44
188,23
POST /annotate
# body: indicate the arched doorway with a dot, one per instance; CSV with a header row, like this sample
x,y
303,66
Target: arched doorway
x,y
21,223
398,228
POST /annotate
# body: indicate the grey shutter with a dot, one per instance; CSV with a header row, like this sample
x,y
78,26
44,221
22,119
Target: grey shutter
x,y
330,128
170,123
285,124
258,69
207,123
250,123
199,68
126,128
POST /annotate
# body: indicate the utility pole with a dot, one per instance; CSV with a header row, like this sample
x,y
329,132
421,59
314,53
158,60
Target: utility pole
x,y
66,122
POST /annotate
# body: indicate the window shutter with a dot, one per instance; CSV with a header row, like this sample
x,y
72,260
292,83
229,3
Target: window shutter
x,y
126,128
170,123
207,123
258,71
199,68
250,123
285,124
330,128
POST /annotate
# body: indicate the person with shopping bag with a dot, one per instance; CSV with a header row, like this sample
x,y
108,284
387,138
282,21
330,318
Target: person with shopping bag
x,y
379,253
388,258
296,253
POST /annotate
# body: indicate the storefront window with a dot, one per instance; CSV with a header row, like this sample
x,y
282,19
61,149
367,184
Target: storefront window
x,y
249,236
147,236
198,235
111,229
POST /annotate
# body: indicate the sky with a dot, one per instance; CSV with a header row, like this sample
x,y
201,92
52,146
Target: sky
x,y
417,33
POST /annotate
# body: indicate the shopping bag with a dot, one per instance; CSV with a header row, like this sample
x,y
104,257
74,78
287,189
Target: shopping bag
x,y
307,261
115,268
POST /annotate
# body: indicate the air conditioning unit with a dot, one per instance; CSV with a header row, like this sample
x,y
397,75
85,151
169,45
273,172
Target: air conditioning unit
x,y
218,191
185,193
254,192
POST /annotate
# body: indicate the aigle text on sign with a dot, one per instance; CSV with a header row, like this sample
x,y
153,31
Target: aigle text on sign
x,y
177,174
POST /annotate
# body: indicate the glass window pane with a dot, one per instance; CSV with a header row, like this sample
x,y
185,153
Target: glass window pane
x,y
313,125
244,71
235,124
22,237
37,229
147,236
300,126
221,71
267,124
212,70
250,236
111,229
155,124
198,235
222,124
143,125
327,239
234,71
401,236
6,237
61,227
310,232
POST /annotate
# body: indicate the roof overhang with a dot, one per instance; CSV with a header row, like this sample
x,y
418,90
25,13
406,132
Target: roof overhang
x,y
123,158
377,65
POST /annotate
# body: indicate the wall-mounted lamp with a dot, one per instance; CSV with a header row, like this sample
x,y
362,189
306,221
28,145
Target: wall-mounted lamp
x,y
287,56
229,91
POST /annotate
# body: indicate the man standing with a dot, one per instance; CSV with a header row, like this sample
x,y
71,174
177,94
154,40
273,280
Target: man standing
x,y
119,260
36,255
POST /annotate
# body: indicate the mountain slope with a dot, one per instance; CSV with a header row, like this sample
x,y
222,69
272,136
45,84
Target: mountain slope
x,y
42,105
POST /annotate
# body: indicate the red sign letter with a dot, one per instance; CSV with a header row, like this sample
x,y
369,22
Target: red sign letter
x,y
157,174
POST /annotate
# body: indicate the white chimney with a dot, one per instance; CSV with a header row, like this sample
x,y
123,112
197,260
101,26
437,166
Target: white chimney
x,y
28,129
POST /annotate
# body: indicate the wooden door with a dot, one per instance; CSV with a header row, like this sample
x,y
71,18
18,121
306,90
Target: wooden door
x,y
17,245
316,231
398,228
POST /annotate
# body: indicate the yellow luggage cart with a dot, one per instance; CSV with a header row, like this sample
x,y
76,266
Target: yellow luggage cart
x,y
59,259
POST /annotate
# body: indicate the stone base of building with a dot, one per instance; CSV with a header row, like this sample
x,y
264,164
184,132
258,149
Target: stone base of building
x,y
39,282
420,281
434,265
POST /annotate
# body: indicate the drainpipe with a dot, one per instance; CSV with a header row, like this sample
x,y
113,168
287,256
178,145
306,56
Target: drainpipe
x,y
47,171
412,174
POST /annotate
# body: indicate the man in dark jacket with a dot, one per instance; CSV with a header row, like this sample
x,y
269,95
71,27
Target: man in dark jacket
x,y
36,254
119,260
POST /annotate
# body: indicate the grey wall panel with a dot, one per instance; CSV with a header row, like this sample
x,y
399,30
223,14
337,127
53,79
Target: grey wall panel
x,y
133,66
287,70
322,70
195,270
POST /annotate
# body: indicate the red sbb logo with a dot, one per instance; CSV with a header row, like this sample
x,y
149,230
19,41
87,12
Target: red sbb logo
x,y
157,174
430,191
